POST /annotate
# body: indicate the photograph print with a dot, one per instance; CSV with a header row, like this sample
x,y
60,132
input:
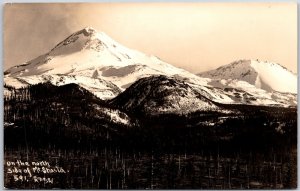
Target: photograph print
x,y
173,95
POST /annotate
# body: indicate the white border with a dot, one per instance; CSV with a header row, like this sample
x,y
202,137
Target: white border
x,y
101,1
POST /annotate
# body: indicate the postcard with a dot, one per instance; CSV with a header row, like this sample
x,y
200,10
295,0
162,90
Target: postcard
x,y
170,95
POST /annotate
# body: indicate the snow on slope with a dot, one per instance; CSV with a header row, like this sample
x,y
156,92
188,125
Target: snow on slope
x,y
161,94
101,88
96,62
95,55
264,75
114,115
242,92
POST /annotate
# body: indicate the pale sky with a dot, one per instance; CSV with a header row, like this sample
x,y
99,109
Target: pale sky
x,y
194,36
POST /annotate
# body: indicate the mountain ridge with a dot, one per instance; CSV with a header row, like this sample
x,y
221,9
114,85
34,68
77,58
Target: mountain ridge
x,y
160,95
266,75
106,68
95,57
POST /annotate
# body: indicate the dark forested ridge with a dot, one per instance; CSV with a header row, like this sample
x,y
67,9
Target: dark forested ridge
x,y
48,119
51,114
45,114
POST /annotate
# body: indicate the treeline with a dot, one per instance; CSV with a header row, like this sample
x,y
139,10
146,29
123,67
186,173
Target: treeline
x,y
213,132
65,116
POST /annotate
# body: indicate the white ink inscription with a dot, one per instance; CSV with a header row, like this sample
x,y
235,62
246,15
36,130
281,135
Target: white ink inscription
x,y
32,171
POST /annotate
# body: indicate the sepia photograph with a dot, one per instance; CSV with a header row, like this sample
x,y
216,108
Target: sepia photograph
x,y
161,95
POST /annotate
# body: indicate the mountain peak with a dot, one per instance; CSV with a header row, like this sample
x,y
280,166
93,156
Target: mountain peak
x,y
92,58
266,75
78,38
89,30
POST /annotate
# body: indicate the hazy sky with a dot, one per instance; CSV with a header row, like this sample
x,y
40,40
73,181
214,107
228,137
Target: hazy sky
x,y
193,36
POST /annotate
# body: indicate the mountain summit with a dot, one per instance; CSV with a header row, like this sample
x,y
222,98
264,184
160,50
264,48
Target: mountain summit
x,y
264,75
106,68
85,50
93,60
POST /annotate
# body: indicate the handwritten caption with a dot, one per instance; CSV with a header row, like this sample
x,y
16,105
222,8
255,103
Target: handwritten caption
x,y
35,171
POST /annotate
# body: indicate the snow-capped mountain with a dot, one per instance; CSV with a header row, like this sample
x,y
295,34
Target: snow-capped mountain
x,y
106,68
93,60
264,75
